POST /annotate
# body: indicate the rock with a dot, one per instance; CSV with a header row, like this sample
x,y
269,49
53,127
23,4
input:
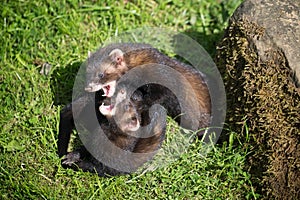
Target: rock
x,y
259,58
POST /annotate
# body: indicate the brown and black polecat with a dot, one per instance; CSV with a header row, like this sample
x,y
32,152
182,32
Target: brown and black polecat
x,y
118,61
129,118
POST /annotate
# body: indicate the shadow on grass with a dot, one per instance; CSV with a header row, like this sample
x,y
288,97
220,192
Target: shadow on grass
x,y
207,41
62,81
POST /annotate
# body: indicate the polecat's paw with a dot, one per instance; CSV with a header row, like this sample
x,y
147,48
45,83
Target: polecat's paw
x,y
71,158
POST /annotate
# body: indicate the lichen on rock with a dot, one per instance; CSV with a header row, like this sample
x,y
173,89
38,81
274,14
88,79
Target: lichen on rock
x,y
259,58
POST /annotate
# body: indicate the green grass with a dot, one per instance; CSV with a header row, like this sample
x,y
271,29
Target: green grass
x,y
60,34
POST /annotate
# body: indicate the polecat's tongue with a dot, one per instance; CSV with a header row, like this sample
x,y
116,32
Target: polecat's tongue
x,y
107,90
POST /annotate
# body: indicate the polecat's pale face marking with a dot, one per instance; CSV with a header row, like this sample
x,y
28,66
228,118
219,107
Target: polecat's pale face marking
x,y
105,73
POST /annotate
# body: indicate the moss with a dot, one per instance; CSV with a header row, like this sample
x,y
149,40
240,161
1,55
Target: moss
x,y
263,94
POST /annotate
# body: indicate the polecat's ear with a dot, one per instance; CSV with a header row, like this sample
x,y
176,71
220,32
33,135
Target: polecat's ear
x,y
133,125
117,56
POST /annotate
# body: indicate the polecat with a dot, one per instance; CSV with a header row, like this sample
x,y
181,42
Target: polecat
x,y
109,67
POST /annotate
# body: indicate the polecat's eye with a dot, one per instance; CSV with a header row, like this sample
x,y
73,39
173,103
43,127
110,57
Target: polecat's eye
x,y
134,98
126,107
101,75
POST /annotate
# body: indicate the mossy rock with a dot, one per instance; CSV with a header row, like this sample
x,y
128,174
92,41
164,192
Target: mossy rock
x,y
259,58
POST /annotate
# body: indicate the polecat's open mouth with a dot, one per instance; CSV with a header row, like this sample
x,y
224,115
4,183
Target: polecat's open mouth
x,y
106,90
107,110
109,88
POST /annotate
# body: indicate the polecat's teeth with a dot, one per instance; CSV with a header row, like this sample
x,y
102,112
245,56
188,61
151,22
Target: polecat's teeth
x,y
105,92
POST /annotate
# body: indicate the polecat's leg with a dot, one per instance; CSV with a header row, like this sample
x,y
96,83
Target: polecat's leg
x,y
66,125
